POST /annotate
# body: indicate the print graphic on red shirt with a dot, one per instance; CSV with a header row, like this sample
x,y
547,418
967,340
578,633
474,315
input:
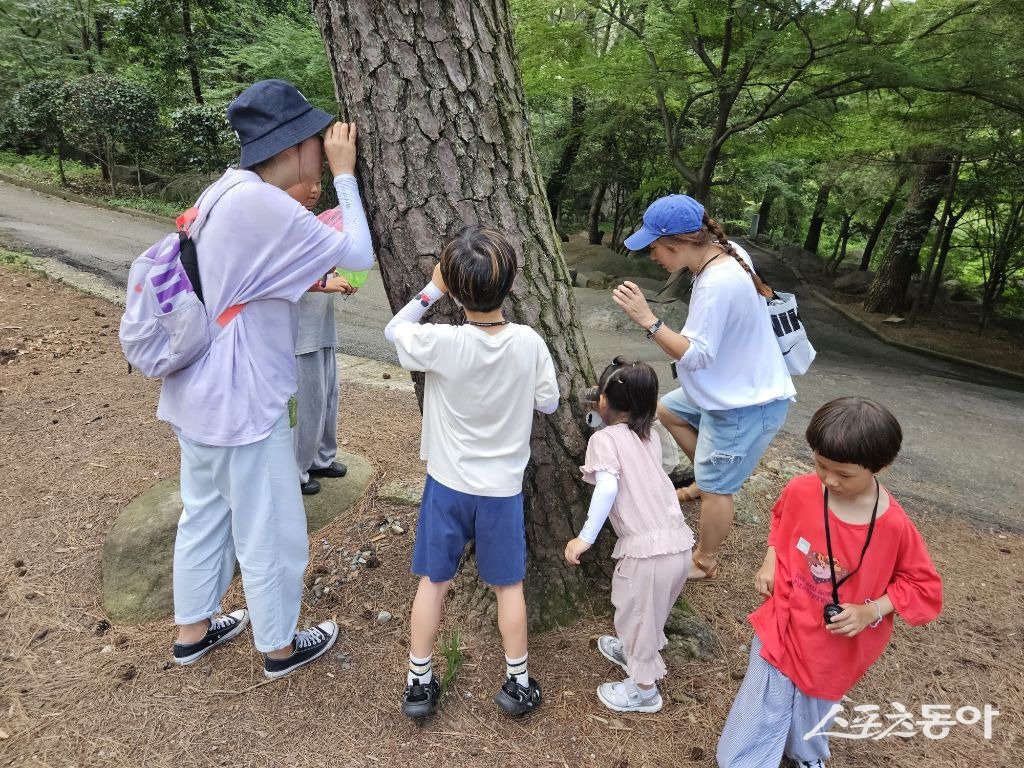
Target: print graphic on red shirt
x,y
790,624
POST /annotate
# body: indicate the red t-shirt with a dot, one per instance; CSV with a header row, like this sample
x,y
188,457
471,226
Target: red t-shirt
x,y
790,623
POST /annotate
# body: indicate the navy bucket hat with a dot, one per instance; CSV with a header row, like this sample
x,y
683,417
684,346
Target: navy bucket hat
x,y
270,116
670,215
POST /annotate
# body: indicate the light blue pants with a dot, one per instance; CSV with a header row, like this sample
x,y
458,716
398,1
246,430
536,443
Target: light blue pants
x,y
770,718
242,501
316,432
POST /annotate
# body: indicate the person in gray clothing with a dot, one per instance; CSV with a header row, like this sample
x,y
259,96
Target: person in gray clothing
x,y
316,428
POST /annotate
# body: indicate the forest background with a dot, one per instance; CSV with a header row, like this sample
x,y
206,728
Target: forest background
x,y
884,137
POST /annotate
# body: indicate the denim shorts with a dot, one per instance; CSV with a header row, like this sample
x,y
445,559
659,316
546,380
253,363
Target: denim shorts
x,y
450,519
729,443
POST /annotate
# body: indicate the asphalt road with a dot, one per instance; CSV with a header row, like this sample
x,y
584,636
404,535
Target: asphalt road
x,y
962,427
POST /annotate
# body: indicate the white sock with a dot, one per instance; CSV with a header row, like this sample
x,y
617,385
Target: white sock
x,y
649,693
516,669
419,669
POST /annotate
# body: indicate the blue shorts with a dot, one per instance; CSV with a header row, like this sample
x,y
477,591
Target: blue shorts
x,y
450,519
729,443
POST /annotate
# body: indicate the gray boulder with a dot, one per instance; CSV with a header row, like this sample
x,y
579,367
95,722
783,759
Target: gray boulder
x,y
855,283
689,634
126,174
593,279
138,551
186,189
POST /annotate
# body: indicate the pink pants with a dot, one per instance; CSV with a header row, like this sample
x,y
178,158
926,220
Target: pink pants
x,y
643,593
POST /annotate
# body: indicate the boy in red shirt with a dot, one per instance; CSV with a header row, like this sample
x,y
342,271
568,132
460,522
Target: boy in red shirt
x,y
842,558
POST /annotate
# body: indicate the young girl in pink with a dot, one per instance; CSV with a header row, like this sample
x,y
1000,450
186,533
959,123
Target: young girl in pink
x,y
653,551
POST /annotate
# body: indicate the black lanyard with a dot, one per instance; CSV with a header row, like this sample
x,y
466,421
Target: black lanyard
x,y
828,545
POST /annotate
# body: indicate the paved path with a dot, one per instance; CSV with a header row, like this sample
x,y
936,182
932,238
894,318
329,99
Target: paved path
x,y
963,428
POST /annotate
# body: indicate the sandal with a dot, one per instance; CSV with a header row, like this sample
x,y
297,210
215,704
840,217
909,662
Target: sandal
x,y
710,574
689,493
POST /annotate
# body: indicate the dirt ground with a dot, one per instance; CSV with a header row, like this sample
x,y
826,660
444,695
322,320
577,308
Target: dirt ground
x,y
79,440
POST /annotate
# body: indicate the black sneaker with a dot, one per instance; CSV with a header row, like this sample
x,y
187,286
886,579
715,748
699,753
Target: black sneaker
x,y
310,644
334,469
310,488
421,700
517,700
222,629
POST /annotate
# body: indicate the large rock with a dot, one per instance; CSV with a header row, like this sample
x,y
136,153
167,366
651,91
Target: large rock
x,y
138,551
127,174
689,635
855,283
597,312
186,189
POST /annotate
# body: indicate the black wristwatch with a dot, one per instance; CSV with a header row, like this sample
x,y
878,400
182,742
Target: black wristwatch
x,y
653,328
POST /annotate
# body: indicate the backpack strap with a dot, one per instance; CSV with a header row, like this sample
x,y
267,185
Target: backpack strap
x,y
188,225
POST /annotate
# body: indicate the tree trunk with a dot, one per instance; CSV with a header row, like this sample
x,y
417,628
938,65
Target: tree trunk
x,y
108,152
817,218
888,290
876,231
940,231
839,254
190,50
594,233
574,137
436,92
765,209
940,268
60,163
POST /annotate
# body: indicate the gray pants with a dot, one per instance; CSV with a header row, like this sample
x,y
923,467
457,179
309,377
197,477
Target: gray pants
x,y
316,431
770,718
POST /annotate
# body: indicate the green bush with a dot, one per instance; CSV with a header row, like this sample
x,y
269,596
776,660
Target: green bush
x,y
201,138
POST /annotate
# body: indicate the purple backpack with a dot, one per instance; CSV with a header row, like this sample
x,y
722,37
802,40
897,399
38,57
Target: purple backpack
x,y
165,326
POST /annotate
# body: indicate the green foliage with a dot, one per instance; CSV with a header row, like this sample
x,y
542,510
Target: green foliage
x,y
32,118
11,258
100,109
451,650
44,168
147,204
201,138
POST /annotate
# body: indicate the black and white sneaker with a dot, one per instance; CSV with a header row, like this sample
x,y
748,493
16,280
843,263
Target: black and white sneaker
x,y
222,629
517,700
310,645
421,700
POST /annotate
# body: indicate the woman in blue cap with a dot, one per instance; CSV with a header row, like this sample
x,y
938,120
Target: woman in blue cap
x,y
734,388
259,251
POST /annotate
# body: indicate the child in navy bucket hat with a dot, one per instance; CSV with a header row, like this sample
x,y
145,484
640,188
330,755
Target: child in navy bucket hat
x,y
734,387
259,251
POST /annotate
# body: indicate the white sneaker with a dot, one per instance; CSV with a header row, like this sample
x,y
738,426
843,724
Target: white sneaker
x,y
611,648
626,697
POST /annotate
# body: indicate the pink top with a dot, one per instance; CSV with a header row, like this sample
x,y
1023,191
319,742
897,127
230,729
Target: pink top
x,y
646,515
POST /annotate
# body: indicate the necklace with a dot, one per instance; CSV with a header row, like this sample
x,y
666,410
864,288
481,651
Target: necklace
x,y
710,259
493,324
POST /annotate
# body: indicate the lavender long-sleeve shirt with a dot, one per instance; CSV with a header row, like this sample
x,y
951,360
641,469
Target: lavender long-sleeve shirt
x,y
261,248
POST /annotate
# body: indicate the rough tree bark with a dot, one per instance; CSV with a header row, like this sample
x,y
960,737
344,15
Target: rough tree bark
x,y
888,291
594,233
434,88
817,218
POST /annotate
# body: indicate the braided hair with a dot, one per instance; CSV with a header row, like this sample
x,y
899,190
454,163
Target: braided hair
x,y
712,232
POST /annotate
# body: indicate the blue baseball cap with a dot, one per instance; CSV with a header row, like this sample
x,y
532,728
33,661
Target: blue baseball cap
x,y
670,215
270,116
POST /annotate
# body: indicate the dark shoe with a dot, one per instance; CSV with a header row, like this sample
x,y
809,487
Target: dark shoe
x,y
310,488
681,477
516,700
336,469
310,644
222,629
421,700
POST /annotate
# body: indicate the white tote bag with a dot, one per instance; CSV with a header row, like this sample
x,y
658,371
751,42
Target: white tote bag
x,y
790,333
